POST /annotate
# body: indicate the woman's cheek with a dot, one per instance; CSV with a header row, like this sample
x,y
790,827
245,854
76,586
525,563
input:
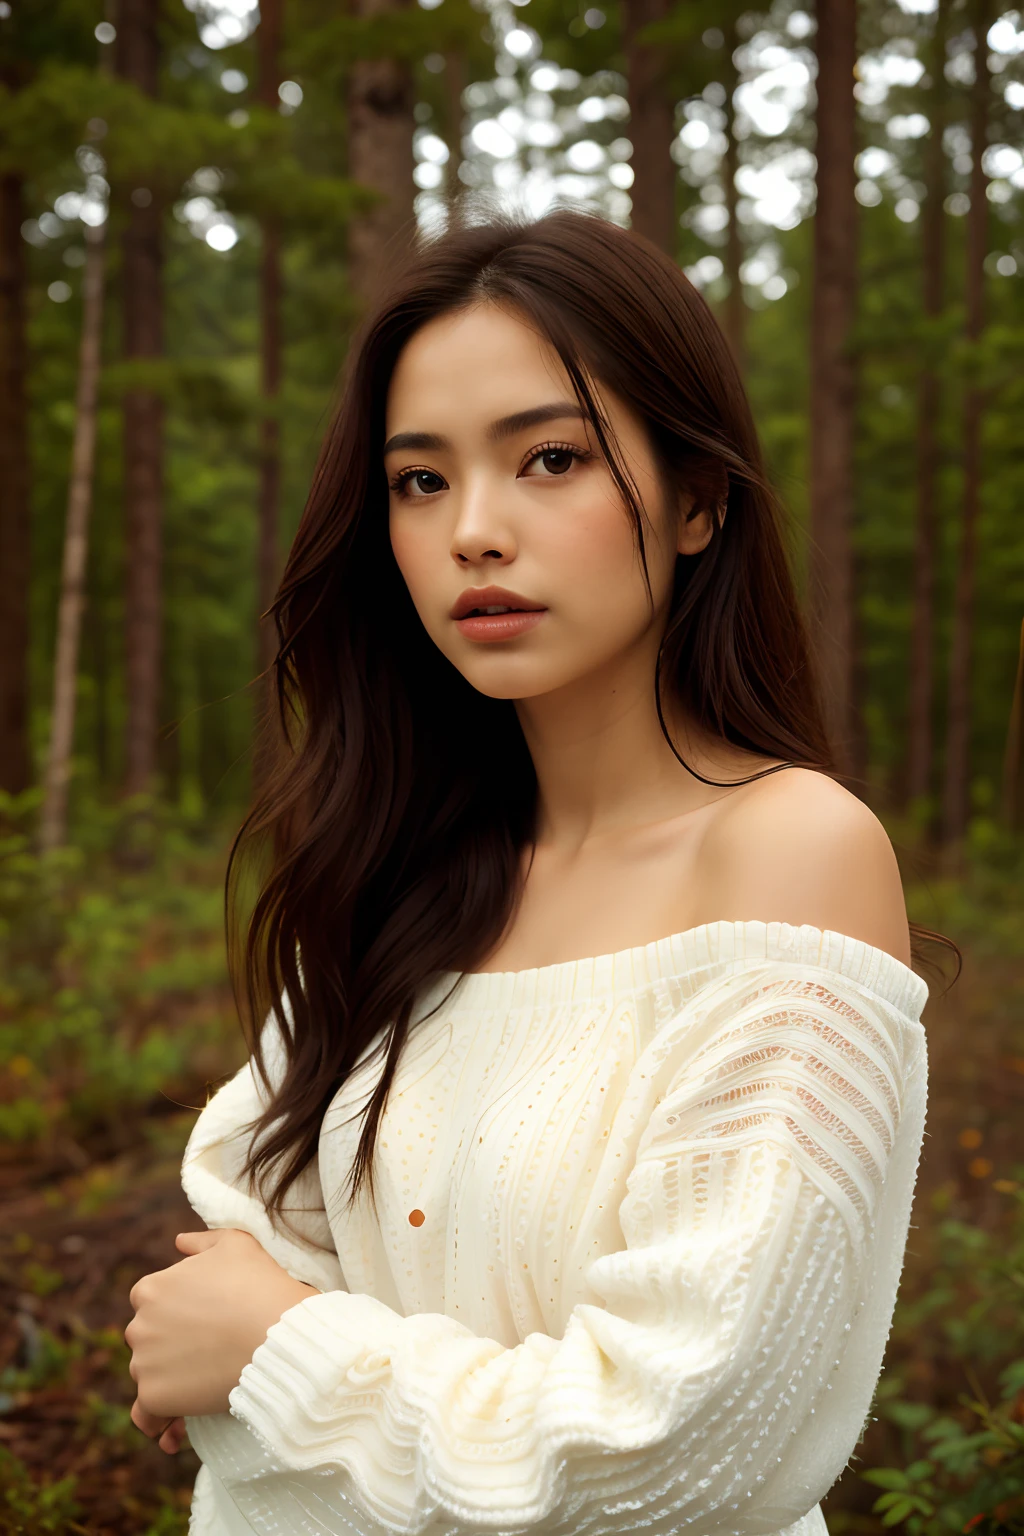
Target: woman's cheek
x,y
599,558
413,557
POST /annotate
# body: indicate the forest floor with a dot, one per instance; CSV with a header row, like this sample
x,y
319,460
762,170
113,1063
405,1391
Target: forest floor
x,y
71,1248
73,1244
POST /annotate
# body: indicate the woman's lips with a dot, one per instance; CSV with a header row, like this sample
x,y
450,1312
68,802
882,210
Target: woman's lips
x,y
489,627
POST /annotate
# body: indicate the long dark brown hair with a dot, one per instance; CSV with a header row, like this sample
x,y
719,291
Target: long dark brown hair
x,y
388,851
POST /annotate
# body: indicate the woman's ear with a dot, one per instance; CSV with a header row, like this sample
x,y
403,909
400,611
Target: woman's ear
x,y
698,516
694,530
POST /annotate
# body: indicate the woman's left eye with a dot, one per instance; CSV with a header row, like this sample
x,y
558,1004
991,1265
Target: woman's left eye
x,y
555,459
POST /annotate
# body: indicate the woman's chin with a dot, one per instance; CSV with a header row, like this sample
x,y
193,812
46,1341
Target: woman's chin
x,y
517,683
515,690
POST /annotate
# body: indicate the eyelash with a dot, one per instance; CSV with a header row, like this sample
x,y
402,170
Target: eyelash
x,y
581,455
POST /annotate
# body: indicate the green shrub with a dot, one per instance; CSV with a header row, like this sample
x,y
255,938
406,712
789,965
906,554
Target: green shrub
x,y
111,980
962,1467
28,1508
50,1361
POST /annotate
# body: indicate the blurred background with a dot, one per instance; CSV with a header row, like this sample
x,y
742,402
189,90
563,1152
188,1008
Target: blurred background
x,y
196,198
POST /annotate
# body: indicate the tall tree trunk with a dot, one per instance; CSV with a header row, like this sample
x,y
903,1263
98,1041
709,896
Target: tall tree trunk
x,y
455,83
651,128
735,311
137,59
53,819
96,621
380,128
956,804
833,377
15,754
269,78
1014,753
933,251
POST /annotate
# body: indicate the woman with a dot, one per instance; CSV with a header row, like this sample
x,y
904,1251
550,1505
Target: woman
x,y
502,1238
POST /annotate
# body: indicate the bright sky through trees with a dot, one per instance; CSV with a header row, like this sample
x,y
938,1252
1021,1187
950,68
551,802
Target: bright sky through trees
x,y
535,132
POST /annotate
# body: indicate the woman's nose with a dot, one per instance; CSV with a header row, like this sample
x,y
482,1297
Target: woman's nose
x,y
481,533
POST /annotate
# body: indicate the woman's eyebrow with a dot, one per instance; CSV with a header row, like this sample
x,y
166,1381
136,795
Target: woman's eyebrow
x,y
505,426
425,440
559,410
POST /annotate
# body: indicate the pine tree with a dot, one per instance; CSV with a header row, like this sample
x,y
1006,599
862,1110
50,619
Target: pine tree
x,y
137,60
651,126
933,254
54,813
380,128
268,50
697,43
48,90
956,804
833,375
15,756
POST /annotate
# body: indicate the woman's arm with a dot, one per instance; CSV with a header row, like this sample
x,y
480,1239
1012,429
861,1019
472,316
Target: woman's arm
x,y
211,1176
306,1260
723,1382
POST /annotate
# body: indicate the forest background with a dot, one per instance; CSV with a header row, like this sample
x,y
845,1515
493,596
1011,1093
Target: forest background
x,y
195,199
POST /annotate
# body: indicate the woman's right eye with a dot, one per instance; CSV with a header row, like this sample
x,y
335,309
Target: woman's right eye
x,y
417,482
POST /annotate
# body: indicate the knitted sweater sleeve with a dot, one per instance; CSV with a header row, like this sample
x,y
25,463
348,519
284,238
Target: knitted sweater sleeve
x,y
722,1383
212,1180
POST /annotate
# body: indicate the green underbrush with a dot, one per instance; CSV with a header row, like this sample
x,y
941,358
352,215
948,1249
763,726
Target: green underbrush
x,y
952,1397
115,1012
113,990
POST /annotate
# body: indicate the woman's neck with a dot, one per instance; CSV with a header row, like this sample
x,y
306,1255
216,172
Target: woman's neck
x,y
602,762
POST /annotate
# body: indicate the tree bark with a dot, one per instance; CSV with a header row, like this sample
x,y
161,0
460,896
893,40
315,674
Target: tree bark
x,y
956,789
735,311
380,127
1012,757
833,379
933,244
137,59
269,495
15,753
54,815
651,129
455,83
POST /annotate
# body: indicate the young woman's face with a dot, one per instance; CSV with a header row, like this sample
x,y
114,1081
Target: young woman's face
x,y
501,500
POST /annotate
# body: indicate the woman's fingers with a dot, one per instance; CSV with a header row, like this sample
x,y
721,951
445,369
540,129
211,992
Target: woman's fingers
x,y
173,1437
196,1242
169,1434
150,1423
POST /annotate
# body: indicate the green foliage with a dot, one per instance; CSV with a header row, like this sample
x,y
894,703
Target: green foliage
x,y
406,35
196,389
50,1360
28,1508
56,110
98,965
170,1519
963,1458
113,999
49,1508
144,141
984,905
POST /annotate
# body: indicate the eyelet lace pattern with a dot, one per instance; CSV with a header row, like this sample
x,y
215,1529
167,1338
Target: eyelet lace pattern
x,y
664,1197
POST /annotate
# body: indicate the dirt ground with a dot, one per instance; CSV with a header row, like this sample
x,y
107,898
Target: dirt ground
x,y
77,1424
72,1246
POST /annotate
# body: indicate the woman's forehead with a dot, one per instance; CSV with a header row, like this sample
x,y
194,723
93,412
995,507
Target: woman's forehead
x,y
477,370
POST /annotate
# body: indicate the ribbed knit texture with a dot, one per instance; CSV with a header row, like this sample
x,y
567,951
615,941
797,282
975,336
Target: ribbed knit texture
x,y
665,1196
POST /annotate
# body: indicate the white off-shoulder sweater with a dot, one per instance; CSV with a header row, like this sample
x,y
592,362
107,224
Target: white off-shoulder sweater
x,y
641,1220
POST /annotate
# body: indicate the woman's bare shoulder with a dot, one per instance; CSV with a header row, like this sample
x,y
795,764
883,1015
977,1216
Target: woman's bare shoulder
x,y
797,847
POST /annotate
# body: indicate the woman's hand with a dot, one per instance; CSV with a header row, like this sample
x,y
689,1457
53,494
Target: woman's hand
x,y
198,1323
169,1434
